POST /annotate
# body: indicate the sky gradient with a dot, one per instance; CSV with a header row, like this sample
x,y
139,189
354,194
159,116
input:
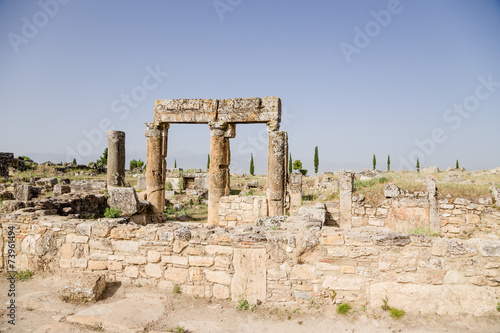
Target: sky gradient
x,y
356,78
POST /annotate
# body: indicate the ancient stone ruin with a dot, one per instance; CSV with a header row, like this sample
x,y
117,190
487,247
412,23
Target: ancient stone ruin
x,y
116,159
221,117
426,252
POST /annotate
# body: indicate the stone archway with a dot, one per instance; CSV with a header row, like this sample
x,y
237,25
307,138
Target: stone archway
x,y
222,117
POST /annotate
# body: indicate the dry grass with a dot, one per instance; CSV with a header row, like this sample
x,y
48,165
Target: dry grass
x,y
414,181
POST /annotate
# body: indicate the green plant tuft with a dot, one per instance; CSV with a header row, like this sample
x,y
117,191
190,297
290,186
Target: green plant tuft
x,y
343,308
426,231
396,313
24,275
112,213
177,289
168,186
383,180
243,305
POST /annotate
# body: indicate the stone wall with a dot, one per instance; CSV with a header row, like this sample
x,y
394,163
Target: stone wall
x,y
405,211
235,210
363,265
5,161
190,180
410,211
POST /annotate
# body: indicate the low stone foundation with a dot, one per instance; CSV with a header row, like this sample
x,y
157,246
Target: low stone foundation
x,y
235,210
362,265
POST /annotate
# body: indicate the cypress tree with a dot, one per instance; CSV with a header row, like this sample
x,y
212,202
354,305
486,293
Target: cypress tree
x,y
388,162
251,165
374,162
175,164
457,166
208,162
290,164
418,165
316,160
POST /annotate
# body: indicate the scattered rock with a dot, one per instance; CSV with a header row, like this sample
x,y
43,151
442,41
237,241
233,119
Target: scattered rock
x,y
252,184
391,191
125,199
178,206
60,189
428,170
270,222
84,288
182,234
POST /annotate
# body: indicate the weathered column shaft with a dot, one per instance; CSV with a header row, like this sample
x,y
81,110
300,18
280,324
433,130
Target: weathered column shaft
x,y
345,188
295,189
218,179
276,170
156,135
434,223
116,159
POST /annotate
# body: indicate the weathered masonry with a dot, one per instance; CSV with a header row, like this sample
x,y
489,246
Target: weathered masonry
x,y
222,117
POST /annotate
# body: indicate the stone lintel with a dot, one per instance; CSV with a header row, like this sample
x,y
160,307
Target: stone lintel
x,y
203,111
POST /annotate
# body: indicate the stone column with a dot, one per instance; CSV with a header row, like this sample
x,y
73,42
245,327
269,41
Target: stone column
x,y
116,159
295,187
218,178
434,223
345,186
156,134
276,169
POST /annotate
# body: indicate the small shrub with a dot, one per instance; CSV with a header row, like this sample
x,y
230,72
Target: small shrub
x,y
178,329
333,295
169,210
426,231
24,275
243,305
383,180
177,289
359,184
343,308
396,313
112,213
168,186
498,307
385,307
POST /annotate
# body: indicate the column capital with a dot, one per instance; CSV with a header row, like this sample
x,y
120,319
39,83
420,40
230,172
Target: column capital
x,y
273,126
222,129
155,129
115,135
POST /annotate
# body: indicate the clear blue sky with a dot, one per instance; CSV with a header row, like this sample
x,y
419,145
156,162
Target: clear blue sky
x,y
350,84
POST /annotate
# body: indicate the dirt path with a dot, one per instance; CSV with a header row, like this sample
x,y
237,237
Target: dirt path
x,y
129,308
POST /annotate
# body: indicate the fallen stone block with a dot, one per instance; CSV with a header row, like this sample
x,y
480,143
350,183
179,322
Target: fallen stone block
x,y
314,213
391,191
125,199
270,222
46,182
82,289
27,192
60,189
